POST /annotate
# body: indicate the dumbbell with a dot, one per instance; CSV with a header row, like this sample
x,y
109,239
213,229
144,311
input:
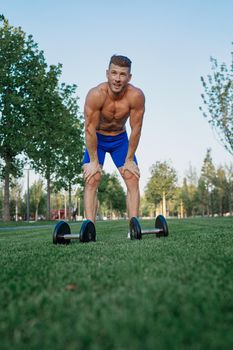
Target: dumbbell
x,y
62,233
160,230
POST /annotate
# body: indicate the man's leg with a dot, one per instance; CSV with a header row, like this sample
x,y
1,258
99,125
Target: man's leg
x,y
133,193
90,196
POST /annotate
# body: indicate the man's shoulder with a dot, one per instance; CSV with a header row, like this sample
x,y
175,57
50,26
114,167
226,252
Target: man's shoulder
x,y
96,96
99,90
135,92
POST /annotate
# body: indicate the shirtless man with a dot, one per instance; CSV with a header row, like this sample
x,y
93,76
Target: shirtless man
x,y
107,108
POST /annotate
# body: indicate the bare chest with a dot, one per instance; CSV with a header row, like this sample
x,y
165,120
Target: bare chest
x,y
118,110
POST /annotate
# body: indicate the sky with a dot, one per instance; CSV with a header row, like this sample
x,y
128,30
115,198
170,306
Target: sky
x,y
170,43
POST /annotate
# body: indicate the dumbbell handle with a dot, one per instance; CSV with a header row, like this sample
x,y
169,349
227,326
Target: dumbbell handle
x,y
154,230
71,236
151,231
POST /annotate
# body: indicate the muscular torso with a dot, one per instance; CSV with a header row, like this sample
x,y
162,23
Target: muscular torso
x,y
114,113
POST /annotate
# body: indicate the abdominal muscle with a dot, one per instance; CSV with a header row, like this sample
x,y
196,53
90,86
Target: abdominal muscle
x,y
111,127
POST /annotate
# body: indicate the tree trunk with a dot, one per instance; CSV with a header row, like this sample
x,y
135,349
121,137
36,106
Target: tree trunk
x,y
16,210
6,201
230,201
208,209
164,205
48,198
69,203
36,213
181,210
221,206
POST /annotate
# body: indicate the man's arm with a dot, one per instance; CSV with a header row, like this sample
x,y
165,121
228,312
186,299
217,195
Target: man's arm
x,y
136,119
92,117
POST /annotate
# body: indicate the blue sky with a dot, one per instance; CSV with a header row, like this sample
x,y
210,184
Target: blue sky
x,y
169,42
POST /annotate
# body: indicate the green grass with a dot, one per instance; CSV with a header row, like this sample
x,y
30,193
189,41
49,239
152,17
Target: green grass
x,y
173,293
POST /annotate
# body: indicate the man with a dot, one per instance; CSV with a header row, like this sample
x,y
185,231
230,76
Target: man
x,y
107,108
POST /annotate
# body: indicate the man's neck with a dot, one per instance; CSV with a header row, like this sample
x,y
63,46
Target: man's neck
x,y
116,96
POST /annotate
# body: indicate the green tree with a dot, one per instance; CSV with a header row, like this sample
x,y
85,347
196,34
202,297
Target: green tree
x,y
36,196
21,65
188,192
146,208
111,196
47,128
220,193
218,101
206,184
68,171
1,201
16,192
79,194
56,148
161,185
229,189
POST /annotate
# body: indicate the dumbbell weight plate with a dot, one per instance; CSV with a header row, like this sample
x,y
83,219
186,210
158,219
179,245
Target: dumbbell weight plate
x,y
161,223
135,228
61,229
87,232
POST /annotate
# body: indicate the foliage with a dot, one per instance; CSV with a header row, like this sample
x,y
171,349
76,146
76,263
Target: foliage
x,y
189,194
36,197
206,184
68,170
56,147
163,180
38,117
22,66
146,208
209,194
111,195
218,100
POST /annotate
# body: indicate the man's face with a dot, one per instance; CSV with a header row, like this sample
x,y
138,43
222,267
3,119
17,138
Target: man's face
x,y
118,77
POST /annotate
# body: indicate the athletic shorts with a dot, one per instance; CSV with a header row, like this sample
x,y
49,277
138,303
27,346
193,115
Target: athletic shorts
x,y
116,145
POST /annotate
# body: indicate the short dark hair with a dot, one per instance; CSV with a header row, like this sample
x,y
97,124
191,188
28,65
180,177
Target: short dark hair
x,y
121,61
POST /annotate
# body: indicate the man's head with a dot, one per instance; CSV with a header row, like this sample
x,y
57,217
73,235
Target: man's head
x,y
118,73
121,61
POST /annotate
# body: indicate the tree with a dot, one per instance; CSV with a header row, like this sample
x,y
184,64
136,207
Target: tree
x,y
68,171
218,99
46,129
206,184
220,191
1,201
229,189
162,184
16,191
21,65
111,196
36,196
188,192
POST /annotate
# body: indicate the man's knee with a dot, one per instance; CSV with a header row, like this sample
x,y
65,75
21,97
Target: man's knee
x,y
127,175
131,180
94,180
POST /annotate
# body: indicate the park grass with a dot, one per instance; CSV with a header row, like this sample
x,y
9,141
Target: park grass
x,y
157,293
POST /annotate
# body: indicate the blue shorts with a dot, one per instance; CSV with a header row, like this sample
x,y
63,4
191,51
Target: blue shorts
x,y
116,145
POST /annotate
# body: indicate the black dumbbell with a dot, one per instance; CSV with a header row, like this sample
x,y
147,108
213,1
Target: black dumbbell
x,y
62,233
160,230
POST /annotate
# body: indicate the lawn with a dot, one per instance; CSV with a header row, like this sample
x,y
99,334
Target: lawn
x,y
157,293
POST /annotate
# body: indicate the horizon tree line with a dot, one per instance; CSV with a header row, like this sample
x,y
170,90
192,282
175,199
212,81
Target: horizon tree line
x,y
207,194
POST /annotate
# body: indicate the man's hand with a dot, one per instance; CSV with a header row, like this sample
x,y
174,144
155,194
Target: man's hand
x,y
90,169
132,167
